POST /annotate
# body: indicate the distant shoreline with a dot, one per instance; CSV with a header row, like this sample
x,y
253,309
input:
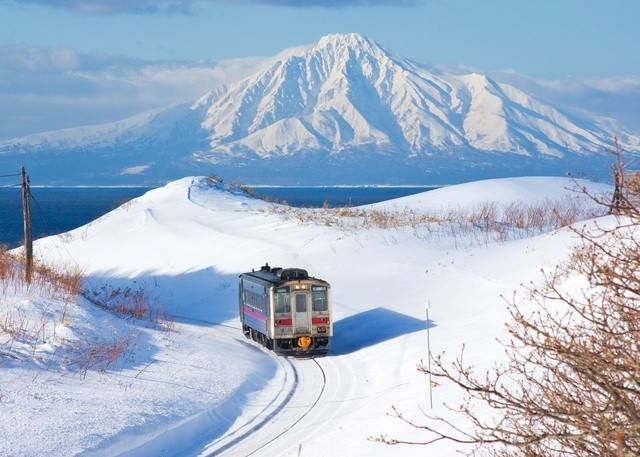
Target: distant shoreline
x,y
256,186
349,186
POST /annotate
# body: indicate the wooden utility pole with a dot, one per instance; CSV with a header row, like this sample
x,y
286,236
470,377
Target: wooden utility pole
x,y
618,169
26,214
429,355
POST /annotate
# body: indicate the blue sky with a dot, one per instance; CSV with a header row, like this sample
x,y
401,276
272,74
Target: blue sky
x,y
69,62
543,37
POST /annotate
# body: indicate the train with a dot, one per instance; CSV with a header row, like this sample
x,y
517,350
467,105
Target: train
x,y
286,310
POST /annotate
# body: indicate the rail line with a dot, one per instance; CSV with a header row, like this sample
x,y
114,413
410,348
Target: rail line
x,y
324,383
266,419
278,409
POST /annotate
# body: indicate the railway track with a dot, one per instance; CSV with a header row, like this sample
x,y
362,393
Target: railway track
x,y
279,416
313,405
263,417
240,441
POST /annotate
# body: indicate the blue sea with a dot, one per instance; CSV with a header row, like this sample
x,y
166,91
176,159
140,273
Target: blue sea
x,y
57,210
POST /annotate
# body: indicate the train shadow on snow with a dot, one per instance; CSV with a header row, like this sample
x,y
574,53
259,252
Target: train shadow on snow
x,y
372,327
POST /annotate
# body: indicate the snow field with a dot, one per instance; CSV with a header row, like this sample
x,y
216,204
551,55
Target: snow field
x,y
186,243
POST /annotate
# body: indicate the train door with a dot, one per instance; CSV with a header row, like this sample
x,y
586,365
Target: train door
x,y
302,314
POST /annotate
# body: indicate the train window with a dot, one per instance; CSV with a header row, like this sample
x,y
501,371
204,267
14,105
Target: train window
x,y
301,303
283,300
319,298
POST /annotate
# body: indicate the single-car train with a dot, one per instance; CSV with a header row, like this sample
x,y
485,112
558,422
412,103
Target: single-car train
x,y
286,310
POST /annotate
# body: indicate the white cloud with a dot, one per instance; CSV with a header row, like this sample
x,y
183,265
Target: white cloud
x,y
135,170
43,89
613,97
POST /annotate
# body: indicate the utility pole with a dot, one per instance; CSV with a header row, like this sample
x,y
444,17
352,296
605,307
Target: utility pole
x,y
26,215
428,305
618,168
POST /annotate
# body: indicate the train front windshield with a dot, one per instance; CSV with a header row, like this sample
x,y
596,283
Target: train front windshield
x,y
319,298
282,300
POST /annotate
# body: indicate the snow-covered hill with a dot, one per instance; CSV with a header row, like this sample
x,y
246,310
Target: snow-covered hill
x,y
185,244
342,110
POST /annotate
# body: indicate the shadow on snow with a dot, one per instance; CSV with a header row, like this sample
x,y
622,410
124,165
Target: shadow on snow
x,y
200,297
372,327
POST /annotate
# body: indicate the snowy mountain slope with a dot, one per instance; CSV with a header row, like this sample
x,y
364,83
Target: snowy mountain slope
x,y
348,92
335,104
188,241
160,125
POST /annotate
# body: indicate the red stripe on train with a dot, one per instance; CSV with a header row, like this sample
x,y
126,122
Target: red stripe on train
x,y
253,313
319,320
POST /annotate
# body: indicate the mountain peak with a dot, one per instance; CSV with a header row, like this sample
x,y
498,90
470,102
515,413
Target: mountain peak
x,y
340,42
344,39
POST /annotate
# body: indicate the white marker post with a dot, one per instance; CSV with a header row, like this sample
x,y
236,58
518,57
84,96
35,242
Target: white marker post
x,y
428,305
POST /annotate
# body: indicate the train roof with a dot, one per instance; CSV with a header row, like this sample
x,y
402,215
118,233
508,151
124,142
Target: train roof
x,y
277,275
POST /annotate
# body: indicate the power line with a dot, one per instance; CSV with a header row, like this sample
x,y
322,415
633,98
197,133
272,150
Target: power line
x,y
10,175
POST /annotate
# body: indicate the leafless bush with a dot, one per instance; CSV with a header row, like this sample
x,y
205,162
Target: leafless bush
x,y
232,186
50,282
571,381
100,355
17,328
131,303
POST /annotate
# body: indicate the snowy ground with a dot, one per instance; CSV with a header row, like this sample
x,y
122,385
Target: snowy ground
x,y
202,390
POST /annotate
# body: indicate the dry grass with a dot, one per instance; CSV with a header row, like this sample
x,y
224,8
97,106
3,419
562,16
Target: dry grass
x,y
100,356
18,329
22,332
231,186
485,222
131,303
49,281
28,334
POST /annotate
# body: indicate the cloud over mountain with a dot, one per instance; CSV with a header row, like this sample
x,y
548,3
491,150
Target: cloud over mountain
x,y
50,88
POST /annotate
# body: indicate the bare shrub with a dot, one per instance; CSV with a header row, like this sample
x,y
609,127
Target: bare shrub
x,y
231,186
571,381
131,303
50,282
213,180
633,189
99,356
249,191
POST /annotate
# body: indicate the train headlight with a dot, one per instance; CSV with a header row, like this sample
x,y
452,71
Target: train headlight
x,y
304,342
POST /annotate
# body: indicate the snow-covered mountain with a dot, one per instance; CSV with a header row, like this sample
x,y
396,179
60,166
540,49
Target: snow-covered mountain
x,y
341,110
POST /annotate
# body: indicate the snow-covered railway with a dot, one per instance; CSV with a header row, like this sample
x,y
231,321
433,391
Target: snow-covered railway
x,y
275,427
